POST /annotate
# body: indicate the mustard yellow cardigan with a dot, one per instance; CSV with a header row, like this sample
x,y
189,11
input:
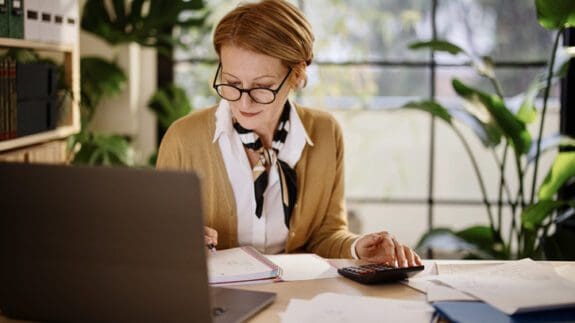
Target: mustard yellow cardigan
x,y
319,221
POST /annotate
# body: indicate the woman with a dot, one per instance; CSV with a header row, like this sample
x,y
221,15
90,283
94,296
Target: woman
x,y
272,172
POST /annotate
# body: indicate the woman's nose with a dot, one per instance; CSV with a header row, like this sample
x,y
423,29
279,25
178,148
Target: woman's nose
x,y
245,100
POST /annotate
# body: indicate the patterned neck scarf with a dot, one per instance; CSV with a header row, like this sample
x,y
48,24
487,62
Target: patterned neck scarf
x,y
267,159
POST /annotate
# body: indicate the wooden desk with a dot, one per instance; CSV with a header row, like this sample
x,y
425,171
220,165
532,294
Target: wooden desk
x,y
308,289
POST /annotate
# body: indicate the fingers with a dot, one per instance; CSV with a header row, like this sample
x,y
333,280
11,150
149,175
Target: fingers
x,y
400,257
412,257
382,247
210,236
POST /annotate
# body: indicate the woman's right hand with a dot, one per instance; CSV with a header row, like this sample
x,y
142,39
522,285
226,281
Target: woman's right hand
x,y
210,236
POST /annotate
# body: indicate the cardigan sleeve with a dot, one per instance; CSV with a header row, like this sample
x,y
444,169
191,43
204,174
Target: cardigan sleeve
x,y
331,238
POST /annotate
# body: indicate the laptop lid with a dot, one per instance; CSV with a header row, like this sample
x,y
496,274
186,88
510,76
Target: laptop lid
x,y
104,244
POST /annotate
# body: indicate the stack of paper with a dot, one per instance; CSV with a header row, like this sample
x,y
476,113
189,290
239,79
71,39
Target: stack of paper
x,y
515,287
330,307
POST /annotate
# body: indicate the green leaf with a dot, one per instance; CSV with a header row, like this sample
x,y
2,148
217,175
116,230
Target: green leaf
x,y
533,216
563,169
509,124
103,150
169,104
438,45
479,235
489,135
549,143
448,240
432,107
527,112
99,79
555,14
146,22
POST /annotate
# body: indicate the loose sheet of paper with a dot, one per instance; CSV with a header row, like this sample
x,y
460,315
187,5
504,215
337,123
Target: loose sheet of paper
x,y
514,287
303,266
330,307
566,271
438,293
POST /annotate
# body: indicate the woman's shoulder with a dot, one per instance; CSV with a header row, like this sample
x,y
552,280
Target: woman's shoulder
x,y
201,120
313,118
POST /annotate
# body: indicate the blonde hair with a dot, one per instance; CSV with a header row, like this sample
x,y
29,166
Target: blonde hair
x,y
271,27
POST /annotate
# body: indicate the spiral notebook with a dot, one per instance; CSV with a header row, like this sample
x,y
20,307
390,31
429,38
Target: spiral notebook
x,y
242,264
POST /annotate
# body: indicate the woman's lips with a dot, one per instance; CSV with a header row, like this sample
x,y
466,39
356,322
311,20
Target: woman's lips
x,y
248,114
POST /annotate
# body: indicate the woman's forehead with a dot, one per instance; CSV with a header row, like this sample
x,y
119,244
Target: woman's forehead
x,y
237,60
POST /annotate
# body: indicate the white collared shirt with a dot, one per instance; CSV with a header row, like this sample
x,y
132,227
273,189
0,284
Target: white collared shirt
x,y
267,234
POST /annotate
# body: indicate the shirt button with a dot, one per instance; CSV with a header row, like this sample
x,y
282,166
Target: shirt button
x,y
292,234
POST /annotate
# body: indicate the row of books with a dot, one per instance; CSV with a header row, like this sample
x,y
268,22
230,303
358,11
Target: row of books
x,y
8,100
28,98
53,21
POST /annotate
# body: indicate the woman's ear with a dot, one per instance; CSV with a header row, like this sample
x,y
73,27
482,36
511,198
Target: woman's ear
x,y
301,75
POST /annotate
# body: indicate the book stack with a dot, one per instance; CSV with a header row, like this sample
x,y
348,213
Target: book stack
x,y
8,99
28,98
52,21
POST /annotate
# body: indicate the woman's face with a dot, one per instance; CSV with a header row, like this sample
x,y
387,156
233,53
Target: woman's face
x,y
246,69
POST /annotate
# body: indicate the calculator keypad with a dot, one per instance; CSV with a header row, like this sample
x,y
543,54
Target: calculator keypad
x,y
377,273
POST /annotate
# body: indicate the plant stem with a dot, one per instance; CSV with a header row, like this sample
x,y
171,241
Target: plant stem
x,y
520,198
542,122
502,185
479,178
502,182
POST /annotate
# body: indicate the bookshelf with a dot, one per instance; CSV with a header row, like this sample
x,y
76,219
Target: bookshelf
x,y
69,124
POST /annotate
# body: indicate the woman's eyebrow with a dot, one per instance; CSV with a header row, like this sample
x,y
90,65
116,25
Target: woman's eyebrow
x,y
257,78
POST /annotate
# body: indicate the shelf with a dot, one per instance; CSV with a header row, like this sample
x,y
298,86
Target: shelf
x,y
21,43
70,124
58,133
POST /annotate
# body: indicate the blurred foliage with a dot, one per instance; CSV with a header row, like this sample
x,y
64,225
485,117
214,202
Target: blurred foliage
x,y
495,123
99,79
168,104
145,22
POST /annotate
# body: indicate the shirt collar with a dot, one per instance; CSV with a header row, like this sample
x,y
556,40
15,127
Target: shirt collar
x,y
224,122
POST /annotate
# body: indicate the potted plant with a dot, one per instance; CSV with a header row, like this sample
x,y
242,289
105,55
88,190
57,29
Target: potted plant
x,y
533,208
149,23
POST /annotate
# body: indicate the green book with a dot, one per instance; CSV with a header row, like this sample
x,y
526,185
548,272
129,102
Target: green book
x,y
16,18
4,18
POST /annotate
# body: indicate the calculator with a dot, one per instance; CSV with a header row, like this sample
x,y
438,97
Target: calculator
x,y
378,273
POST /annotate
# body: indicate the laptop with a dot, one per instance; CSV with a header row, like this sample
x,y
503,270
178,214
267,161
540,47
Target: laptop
x,y
96,244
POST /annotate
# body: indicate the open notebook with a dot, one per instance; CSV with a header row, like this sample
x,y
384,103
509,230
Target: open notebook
x,y
242,264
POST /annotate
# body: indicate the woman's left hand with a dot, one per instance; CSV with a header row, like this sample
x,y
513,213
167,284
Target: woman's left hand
x,y
381,247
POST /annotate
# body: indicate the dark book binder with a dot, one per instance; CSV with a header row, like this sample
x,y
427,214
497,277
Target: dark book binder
x,y
4,23
16,18
8,118
38,106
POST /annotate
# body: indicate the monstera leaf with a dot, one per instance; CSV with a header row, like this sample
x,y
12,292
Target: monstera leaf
x,y
146,22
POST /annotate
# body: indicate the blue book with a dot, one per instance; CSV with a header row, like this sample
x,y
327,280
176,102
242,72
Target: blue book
x,y
479,312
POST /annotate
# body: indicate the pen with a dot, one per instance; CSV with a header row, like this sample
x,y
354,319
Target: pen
x,y
212,247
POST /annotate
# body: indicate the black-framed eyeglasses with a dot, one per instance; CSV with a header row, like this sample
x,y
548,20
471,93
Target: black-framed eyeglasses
x,y
262,95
